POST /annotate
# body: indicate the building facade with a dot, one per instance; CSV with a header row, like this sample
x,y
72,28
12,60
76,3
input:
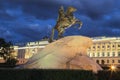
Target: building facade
x,y
27,51
105,51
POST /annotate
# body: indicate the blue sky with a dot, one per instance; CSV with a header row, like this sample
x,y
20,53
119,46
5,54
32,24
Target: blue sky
x,y
31,20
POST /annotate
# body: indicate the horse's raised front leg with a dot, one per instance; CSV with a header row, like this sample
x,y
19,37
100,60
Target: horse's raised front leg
x,y
80,23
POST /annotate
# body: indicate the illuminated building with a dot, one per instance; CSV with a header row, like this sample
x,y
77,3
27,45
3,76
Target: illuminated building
x,y
15,53
25,52
31,48
105,51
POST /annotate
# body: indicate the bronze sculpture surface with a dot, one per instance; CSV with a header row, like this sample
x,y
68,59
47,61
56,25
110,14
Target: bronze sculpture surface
x,y
64,21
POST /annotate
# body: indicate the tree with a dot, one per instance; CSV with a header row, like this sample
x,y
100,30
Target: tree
x,y
6,50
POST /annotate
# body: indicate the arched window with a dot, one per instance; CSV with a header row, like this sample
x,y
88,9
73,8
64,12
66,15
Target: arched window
x,y
97,61
93,47
102,62
113,46
108,46
103,46
118,61
113,61
98,46
119,45
107,61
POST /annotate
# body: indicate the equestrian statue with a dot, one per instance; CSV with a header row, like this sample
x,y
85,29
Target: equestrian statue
x,y
64,21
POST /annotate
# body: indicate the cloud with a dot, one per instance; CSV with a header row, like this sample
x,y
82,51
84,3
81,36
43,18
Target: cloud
x,y
30,20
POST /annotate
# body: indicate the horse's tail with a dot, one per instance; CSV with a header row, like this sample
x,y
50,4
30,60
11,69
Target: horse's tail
x,y
52,35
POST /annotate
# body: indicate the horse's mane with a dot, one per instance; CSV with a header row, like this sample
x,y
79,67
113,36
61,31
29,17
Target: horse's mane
x,y
70,10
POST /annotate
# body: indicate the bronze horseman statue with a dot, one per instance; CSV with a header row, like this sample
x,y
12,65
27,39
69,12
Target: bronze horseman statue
x,y
64,21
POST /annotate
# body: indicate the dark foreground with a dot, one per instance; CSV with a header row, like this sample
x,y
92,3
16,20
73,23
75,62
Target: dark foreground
x,y
38,74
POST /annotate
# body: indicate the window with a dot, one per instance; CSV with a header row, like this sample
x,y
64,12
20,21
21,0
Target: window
x,y
113,61
118,61
103,54
108,54
103,46
119,45
119,54
113,46
107,61
102,62
97,61
98,46
93,55
108,46
113,54
98,54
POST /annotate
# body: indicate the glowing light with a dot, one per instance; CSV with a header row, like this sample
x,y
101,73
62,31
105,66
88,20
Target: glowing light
x,y
113,68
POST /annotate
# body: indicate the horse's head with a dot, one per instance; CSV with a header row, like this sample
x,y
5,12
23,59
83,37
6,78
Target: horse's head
x,y
71,9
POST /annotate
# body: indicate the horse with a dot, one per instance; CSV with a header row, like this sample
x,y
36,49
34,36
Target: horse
x,y
64,22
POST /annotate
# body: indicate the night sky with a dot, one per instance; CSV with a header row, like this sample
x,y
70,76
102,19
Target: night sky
x,y
31,20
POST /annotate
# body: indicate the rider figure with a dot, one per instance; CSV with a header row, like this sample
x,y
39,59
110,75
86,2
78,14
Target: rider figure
x,y
64,21
69,13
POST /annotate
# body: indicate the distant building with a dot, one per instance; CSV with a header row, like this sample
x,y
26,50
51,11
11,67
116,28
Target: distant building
x,y
105,51
31,48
